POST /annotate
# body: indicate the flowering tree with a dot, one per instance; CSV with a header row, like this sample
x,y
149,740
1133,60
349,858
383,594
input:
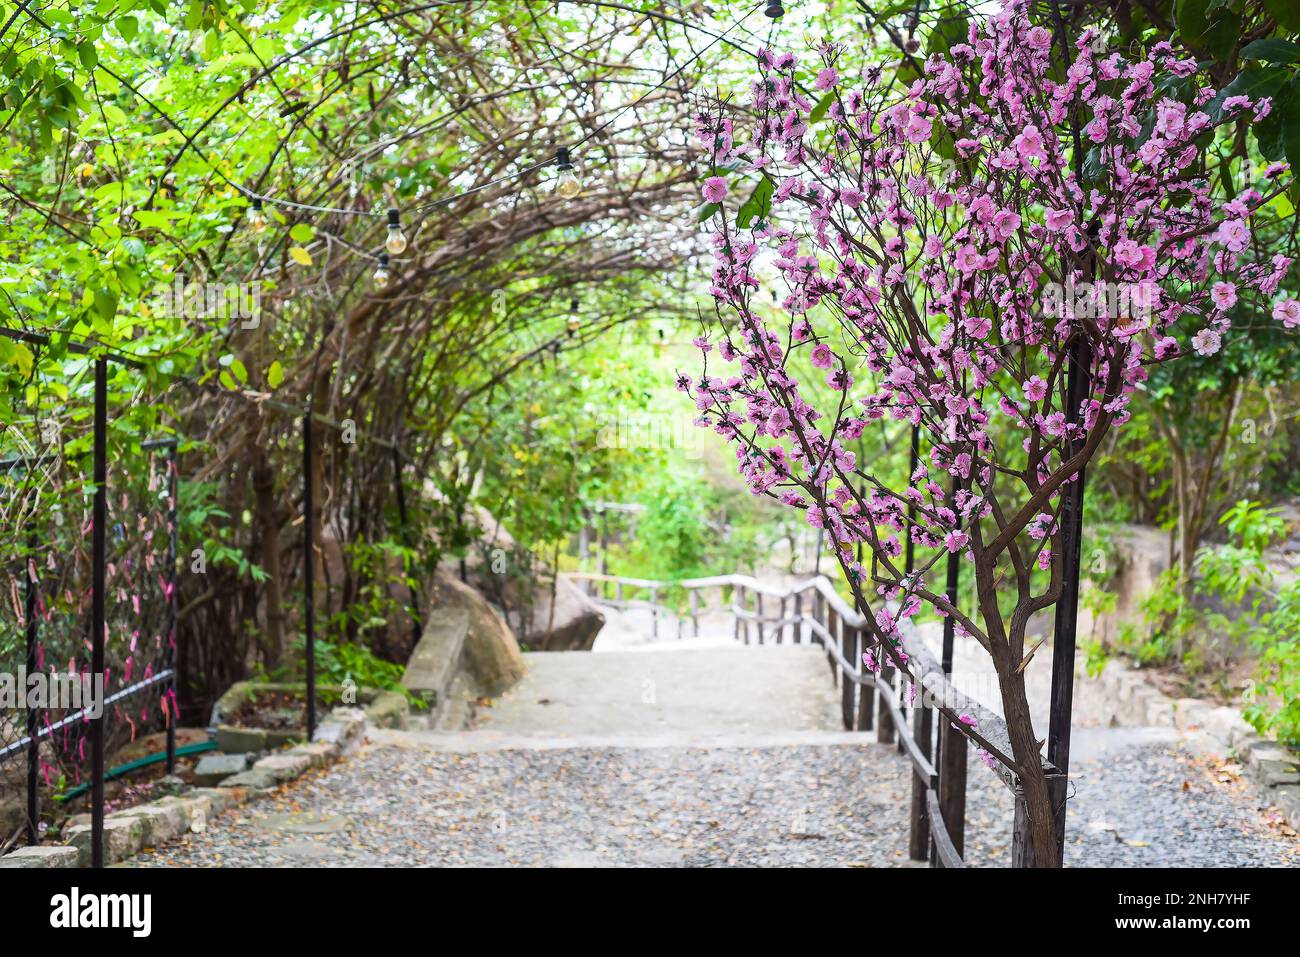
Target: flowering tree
x,y
948,252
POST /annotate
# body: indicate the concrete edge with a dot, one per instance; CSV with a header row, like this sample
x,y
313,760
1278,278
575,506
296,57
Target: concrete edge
x,y
128,832
1209,730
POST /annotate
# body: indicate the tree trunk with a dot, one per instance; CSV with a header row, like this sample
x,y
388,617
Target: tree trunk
x,y
1033,781
272,640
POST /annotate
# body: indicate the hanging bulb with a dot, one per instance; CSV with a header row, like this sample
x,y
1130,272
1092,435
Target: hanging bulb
x,y
381,274
396,241
774,10
567,184
257,218
574,325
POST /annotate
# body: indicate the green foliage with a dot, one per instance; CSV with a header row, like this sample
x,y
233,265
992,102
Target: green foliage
x,y
1235,601
1255,525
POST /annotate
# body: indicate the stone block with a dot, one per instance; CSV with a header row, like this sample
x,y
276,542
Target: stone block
x,y
40,856
284,767
388,710
254,779
214,768
123,836
318,754
1276,773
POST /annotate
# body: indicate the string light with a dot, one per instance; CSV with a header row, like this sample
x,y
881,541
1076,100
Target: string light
x,y
567,184
257,218
396,241
574,322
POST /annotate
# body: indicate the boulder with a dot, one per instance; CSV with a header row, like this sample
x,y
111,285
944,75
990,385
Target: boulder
x,y
576,620
489,648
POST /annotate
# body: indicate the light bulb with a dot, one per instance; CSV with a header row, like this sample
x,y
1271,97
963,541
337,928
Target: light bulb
x,y
567,184
257,218
774,10
381,274
574,325
396,241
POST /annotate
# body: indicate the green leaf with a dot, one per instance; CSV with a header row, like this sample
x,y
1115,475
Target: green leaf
x,y
302,233
1272,50
1287,106
1212,28
759,204
822,106
1255,82
88,55
275,374
105,302
707,210
128,27
1285,12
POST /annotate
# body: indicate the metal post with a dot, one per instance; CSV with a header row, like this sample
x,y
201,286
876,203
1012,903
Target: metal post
x,y
884,718
1067,609
654,613
847,685
780,629
33,716
604,542
98,562
866,690
909,547
172,606
918,845
832,636
309,570
952,782
758,614
695,613
798,618
736,593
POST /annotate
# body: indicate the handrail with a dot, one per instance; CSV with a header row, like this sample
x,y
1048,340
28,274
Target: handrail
x,y
990,730
938,784
943,846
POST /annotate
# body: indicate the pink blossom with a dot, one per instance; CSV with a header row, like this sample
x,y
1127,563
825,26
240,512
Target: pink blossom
x,y
715,188
1287,312
1035,389
918,128
1207,342
1058,219
1224,295
826,78
821,356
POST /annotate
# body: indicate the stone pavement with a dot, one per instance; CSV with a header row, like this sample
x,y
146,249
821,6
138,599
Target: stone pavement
x,y
699,754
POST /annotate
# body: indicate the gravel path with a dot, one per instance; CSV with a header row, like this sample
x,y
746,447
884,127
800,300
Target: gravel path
x,y
695,754
645,806
1139,803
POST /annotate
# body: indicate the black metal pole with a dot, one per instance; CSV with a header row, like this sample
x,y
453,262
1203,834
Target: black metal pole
x,y
309,571
909,547
172,606
954,583
1078,388
98,545
33,716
